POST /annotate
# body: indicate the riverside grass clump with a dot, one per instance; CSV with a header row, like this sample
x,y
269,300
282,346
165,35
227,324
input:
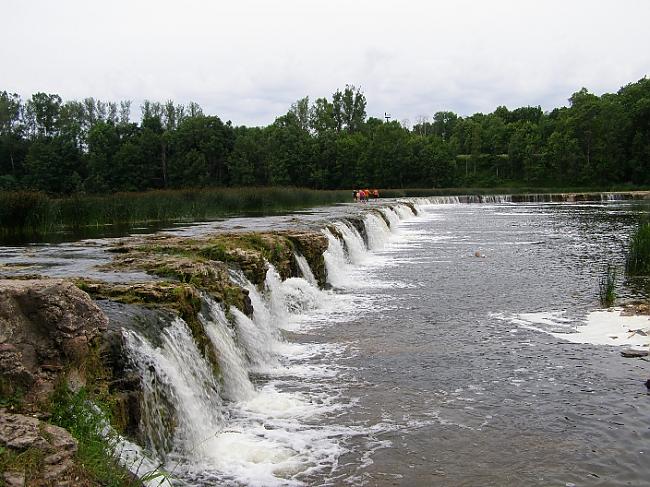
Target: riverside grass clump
x,y
607,286
98,447
31,214
638,255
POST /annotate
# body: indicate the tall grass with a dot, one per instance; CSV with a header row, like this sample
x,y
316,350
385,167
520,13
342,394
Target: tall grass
x,y
28,213
638,255
97,453
607,286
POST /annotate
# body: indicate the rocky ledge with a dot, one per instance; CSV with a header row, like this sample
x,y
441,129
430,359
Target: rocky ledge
x,y
54,337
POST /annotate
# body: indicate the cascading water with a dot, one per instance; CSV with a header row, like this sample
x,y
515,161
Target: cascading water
x,y
181,405
403,211
354,244
336,262
258,435
259,342
377,231
291,296
232,362
392,216
267,329
305,270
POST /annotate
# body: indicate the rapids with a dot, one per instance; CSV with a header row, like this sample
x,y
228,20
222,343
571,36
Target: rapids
x,y
419,364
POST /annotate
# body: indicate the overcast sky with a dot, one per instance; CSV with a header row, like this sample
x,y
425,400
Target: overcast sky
x,y
248,60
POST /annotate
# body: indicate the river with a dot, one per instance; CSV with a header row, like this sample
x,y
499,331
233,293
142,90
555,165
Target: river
x,y
441,355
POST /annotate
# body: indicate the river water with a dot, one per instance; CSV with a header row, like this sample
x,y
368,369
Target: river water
x,y
453,391
440,356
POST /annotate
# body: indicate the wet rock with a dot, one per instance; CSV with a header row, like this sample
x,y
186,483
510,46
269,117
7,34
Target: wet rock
x,y
204,261
312,246
634,353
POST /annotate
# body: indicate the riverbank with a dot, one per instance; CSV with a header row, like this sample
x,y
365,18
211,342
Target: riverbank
x,y
27,215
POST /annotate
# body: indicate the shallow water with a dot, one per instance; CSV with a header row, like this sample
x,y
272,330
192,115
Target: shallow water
x,y
425,364
444,391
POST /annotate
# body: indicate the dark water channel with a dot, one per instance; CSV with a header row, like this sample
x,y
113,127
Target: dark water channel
x,y
455,394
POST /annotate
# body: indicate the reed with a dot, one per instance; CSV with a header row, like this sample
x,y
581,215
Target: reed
x,y
29,213
638,256
607,286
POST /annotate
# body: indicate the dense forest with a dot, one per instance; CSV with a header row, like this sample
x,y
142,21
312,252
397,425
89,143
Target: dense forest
x,y
92,146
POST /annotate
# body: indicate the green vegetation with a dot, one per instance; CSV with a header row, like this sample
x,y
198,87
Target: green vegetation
x,y
94,147
607,286
97,447
85,148
638,256
75,413
28,214
29,461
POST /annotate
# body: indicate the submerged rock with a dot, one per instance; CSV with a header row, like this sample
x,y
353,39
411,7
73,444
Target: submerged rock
x,y
634,353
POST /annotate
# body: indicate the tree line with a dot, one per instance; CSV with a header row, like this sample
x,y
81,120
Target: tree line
x,y
92,146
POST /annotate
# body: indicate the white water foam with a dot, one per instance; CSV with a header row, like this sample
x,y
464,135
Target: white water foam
x,y
232,362
175,373
306,271
602,327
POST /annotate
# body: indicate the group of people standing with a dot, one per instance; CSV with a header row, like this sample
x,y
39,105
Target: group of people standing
x,y
363,195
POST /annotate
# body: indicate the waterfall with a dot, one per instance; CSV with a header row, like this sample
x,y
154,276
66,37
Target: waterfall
x,y
336,262
354,244
258,341
181,405
305,270
292,296
392,216
262,315
443,200
404,211
232,362
377,230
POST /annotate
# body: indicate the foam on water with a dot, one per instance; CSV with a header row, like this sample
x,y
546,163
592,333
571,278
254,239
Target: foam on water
x,y
177,372
232,362
274,431
601,327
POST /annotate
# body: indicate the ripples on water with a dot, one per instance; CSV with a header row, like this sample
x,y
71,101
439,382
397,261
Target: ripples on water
x,y
414,369
467,398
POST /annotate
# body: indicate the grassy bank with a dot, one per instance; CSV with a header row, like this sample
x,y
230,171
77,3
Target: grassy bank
x,y
31,214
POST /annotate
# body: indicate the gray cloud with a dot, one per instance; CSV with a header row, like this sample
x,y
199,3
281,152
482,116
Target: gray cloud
x,y
248,61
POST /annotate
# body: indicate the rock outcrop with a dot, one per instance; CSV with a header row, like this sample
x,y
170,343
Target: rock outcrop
x,y
46,326
205,261
53,448
53,334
